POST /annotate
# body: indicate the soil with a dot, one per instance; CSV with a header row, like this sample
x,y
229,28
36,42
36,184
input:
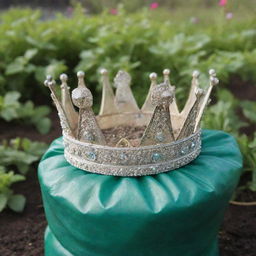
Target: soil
x,y
237,87
9,131
22,234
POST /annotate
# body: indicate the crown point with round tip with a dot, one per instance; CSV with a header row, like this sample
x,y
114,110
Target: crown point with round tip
x,y
153,76
49,78
46,83
80,74
212,72
214,80
161,94
199,91
166,72
195,73
52,83
103,71
82,97
63,78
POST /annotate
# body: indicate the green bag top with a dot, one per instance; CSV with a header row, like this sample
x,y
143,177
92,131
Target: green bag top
x,y
175,213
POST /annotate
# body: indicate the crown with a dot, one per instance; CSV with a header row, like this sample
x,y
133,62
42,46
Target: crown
x,y
169,138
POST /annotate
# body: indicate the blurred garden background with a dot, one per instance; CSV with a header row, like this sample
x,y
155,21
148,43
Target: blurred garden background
x,y
38,38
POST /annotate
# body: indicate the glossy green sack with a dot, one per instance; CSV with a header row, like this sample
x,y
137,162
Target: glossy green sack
x,y
177,213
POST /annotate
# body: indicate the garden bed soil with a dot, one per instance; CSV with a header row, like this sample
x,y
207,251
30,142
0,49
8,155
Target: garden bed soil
x,y
22,234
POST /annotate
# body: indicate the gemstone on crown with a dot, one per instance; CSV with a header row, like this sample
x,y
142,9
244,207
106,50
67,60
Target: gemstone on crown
x,y
170,140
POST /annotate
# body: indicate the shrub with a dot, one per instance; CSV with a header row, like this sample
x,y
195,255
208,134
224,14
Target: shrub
x,y
7,198
139,43
12,110
19,154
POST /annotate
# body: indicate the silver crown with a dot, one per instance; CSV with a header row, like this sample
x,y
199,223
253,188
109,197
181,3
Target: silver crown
x,y
171,138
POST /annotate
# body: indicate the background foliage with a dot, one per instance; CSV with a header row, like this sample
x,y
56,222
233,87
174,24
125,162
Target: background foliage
x,y
19,154
33,45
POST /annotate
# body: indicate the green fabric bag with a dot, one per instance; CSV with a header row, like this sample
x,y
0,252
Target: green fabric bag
x,y
177,213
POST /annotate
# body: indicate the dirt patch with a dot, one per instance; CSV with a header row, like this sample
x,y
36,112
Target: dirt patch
x,y
15,129
243,90
237,235
22,234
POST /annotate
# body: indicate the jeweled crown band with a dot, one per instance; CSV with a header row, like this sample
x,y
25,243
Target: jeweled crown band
x,y
134,161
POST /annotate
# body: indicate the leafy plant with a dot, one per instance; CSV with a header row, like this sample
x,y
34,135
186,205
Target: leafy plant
x,y
21,152
11,109
249,110
248,149
16,202
223,116
140,43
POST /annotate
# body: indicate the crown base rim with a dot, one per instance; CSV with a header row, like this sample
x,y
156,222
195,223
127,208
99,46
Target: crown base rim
x,y
147,160
131,171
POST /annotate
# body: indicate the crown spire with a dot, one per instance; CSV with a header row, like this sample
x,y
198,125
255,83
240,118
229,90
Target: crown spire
x,y
190,122
192,94
159,129
67,103
88,129
124,98
64,122
81,83
50,83
174,110
108,105
166,73
213,82
147,106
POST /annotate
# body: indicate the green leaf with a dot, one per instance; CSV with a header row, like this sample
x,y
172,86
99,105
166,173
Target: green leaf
x,y
249,110
29,54
36,148
40,44
25,144
23,167
8,114
15,67
252,144
17,202
3,201
11,98
10,105
55,68
40,74
26,111
30,68
226,96
41,111
43,125
17,177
